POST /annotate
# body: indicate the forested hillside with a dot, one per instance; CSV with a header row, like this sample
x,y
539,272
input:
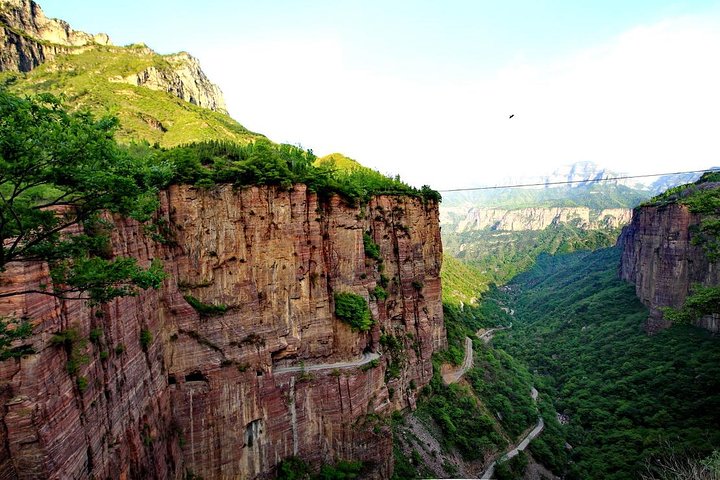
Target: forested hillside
x,y
629,398
499,256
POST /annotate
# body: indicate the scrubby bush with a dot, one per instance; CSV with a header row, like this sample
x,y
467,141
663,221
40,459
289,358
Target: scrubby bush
x,y
353,309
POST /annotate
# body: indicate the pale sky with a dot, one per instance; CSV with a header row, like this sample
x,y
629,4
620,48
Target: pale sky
x,y
424,89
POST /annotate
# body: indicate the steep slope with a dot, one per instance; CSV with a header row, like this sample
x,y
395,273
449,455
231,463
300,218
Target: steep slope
x,y
462,283
668,251
164,99
169,391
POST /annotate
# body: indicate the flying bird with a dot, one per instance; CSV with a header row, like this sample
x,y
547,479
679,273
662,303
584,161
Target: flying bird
x,y
512,115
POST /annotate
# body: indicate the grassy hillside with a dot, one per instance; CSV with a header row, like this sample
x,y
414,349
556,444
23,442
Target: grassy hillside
x,y
339,161
629,397
91,79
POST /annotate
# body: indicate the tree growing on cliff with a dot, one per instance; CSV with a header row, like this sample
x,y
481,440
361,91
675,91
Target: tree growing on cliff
x,y
354,310
59,173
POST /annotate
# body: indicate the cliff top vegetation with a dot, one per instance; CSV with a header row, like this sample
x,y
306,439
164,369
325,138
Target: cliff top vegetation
x,y
60,171
262,162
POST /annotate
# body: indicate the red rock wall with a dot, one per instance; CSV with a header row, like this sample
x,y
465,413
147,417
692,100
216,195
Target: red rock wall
x,y
203,397
660,259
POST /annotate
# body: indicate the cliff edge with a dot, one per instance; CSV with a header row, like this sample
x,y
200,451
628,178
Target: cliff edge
x,y
239,360
660,257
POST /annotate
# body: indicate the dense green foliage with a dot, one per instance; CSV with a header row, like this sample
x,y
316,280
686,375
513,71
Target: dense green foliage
x,y
627,394
701,301
463,423
353,310
61,170
206,164
512,469
504,386
500,255
462,283
372,250
499,387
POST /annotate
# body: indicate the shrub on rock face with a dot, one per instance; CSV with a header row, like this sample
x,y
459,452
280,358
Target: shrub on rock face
x,y
354,310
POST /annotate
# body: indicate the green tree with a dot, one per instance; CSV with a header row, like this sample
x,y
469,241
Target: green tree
x,y
59,172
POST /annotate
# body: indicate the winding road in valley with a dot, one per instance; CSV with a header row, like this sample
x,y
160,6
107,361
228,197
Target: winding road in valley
x,y
454,376
488,335
366,358
487,475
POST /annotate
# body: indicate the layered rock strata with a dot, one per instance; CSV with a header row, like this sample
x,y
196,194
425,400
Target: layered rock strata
x,y
541,218
165,391
663,263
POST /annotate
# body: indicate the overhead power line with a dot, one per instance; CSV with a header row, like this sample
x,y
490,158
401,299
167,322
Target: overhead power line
x,y
566,182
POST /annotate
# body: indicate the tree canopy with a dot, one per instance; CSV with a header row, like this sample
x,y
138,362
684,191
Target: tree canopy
x,y
59,172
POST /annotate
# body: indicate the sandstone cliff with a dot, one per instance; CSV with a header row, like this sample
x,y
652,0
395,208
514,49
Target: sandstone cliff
x,y
167,391
28,39
541,218
660,259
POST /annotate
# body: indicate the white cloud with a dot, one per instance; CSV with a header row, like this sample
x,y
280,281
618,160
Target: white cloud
x,y
645,101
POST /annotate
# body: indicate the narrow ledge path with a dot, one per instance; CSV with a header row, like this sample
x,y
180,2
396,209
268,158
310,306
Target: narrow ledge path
x,y
453,376
365,359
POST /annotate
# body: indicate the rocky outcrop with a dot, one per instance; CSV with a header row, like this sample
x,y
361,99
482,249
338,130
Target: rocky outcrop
x,y
184,79
663,263
541,218
167,391
28,38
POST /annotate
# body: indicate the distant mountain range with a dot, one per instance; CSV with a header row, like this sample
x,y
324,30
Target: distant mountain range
x,y
581,206
581,184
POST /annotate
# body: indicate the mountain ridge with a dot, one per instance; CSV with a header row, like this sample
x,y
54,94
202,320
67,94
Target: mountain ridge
x,y
50,55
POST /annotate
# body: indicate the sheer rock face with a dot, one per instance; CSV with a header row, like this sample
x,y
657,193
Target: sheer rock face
x,y
28,39
204,396
541,218
659,258
185,80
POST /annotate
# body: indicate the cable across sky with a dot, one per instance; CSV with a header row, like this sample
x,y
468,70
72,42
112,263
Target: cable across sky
x,y
566,182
